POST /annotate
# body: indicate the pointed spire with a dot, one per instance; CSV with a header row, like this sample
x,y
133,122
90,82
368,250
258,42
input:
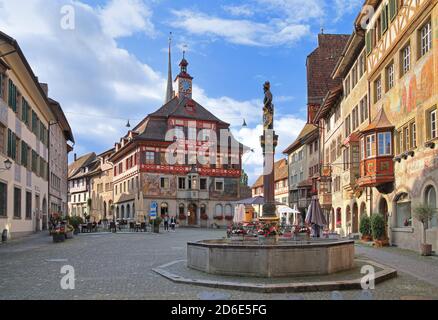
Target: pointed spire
x,y
169,90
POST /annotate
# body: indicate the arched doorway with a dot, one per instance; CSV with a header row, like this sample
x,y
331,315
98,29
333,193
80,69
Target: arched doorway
x,y
332,220
164,209
117,213
363,210
338,221
37,213
123,212
192,214
348,218
383,210
45,217
128,211
430,199
104,210
355,223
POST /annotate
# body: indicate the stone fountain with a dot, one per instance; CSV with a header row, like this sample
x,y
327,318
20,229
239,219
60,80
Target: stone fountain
x,y
275,258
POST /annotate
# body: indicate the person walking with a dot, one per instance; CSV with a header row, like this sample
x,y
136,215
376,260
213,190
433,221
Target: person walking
x,y
166,223
172,223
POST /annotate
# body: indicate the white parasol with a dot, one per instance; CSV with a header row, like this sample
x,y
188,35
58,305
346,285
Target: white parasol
x,y
239,213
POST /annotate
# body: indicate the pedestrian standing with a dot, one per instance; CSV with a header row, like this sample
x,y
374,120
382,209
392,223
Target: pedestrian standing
x,y
173,223
166,223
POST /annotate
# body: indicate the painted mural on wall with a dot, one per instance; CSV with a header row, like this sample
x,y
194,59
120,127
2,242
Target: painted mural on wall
x,y
414,89
152,186
230,189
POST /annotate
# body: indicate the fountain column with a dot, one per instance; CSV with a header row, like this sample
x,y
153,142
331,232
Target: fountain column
x,y
269,141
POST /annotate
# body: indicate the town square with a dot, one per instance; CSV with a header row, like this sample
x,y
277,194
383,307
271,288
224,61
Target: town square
x,y
249,150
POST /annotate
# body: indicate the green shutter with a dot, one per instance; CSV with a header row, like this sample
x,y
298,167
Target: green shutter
x,y
368,42
9,143
28,112
384,19
23,154
1,84
10,93
14,146
23,110
392,9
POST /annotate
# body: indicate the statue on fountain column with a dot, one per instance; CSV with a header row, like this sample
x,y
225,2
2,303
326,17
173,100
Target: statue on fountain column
x,y
268,108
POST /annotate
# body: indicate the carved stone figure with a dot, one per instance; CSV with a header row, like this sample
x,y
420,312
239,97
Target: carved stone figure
x,y
268,108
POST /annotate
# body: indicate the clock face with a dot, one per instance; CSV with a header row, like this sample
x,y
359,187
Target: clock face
x,y
185,85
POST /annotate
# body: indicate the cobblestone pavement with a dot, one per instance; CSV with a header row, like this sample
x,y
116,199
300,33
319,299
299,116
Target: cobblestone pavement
x,y
407,261
118,266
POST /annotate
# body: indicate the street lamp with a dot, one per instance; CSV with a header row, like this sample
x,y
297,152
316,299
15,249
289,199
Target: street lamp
x,y
8,165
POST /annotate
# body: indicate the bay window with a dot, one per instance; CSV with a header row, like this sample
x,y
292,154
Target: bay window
x,y
370,147
385,143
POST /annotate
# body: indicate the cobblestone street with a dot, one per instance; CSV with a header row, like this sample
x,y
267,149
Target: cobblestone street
x,y
118,266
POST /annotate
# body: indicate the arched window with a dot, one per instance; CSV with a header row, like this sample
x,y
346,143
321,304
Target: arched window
x,y
182,209
164,210
430,199
338,218
219,211
128,211
203,209
403,210
228,210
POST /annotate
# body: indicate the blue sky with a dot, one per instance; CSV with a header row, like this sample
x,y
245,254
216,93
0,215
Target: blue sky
x,y
113,64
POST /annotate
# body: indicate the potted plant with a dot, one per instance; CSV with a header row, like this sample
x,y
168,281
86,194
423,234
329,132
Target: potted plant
x,y
424,213
75,222
365,228
236,232
378,230
204,216
268,233
156,224
58,234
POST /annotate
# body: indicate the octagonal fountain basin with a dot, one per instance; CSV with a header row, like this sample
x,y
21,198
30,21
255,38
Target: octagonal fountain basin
x,y
285,259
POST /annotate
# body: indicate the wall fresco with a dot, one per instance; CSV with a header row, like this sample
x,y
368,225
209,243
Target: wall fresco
x,y
414,89
152,186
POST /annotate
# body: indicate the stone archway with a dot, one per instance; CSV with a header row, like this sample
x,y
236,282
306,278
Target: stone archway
x,y
348,219
383,210
192,214
44,215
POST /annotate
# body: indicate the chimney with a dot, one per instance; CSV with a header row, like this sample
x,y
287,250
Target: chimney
x,y
76,156
45,88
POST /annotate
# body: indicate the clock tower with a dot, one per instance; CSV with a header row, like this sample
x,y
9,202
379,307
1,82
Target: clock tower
x,y
184,80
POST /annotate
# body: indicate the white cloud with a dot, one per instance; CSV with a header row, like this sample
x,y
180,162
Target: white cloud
x,y
343,7
123,18
244,32
243,10
295,10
